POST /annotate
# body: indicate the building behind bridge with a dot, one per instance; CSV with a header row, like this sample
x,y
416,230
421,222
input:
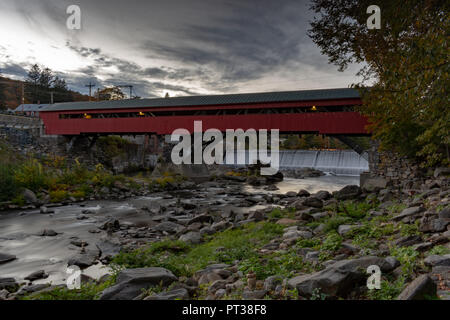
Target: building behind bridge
x,y
31,110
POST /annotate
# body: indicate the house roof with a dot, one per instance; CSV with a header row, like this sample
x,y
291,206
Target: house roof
x,y
242,98
31,107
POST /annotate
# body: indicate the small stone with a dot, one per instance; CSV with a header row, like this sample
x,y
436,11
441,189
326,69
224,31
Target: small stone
x,y
4,258
48,233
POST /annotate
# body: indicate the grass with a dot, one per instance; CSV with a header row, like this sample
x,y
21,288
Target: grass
x,y
285,264
184,260
89,291
278,213
389,290
438,250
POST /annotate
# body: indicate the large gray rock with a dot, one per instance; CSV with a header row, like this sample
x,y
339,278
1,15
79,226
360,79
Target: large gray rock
x,y
9,284
169,227
313,202
191,237
409,212
436,260
339,279
177,294
343,229
130,282
444,213
442,171
421,288
84,260
348,192
29,196
5,257
40,274
108,249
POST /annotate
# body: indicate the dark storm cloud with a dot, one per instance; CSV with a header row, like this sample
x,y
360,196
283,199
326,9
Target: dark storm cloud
x,y
189,46
128,72
257,38
13,69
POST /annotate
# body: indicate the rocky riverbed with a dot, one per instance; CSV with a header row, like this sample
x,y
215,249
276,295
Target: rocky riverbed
x,y
297,239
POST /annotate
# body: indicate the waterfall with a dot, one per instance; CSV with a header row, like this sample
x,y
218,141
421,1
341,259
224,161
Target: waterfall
x,y
339,162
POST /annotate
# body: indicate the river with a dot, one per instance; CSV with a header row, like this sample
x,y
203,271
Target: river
x,y
18,230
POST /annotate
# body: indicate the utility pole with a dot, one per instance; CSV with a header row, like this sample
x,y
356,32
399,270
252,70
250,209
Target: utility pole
x,y
23,96
51,97
90,86
127,86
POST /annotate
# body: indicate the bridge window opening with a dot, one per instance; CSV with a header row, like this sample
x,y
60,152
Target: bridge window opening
x,y
143,114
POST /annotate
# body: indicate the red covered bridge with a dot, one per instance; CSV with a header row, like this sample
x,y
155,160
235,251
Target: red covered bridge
x,y
328,111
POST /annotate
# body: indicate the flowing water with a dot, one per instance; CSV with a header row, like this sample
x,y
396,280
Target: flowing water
x,y
18,229
338,162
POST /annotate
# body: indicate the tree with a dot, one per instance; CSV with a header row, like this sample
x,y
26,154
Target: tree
x,y
407,59
46,78
59,84
110,93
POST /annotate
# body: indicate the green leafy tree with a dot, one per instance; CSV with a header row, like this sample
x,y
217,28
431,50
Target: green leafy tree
x,y
406,61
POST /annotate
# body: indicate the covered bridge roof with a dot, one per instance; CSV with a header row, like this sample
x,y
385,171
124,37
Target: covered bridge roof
x,y
242,98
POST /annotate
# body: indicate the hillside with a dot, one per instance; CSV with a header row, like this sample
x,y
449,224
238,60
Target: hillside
x,y
11,94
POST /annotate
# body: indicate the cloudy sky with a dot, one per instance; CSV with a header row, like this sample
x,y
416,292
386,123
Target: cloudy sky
x,y
182,47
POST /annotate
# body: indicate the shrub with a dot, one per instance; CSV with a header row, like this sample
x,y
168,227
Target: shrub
x,y
31,175
8,185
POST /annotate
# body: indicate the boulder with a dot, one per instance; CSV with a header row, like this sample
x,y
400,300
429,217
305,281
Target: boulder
x,y
111,225
29,196
9,284
177,294
253,294
191,237
40,274
322,195
343,229
108,249
411,211
348,192
169,227
444,213
338,279
130,282
436,260
83,260
303,193
313,202
421,288
441,172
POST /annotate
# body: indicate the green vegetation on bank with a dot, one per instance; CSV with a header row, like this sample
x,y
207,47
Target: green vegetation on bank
x,y
185,260
52,177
